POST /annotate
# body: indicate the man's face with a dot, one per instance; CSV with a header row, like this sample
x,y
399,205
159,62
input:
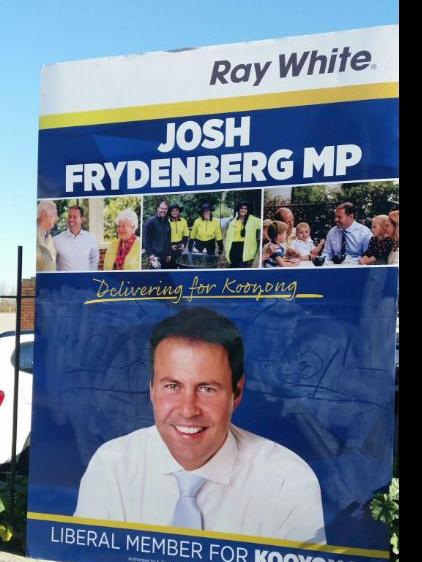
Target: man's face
x,y
162,210
286,216
342,220
74,220
193,398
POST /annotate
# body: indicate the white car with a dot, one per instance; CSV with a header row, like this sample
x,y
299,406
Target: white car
x,y
7,375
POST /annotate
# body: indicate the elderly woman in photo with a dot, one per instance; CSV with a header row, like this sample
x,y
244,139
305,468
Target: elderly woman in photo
x,y
392,232
124,252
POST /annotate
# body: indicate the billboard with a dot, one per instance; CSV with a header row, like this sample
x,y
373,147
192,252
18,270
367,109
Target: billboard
x,y
216,300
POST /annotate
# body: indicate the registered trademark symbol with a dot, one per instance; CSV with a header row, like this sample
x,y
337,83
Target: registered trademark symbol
x,y
373,66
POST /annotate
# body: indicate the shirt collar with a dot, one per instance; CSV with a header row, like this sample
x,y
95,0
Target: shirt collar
x,y
350,228
218,468
80,233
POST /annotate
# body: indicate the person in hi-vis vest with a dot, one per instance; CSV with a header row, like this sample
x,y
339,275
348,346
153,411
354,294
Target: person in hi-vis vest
x,y
242,238
179,234
206,232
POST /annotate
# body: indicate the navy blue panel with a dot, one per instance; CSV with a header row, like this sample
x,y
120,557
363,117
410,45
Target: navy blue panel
x,y
319,376
85,543
370,124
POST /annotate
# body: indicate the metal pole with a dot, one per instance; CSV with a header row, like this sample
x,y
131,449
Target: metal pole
x,y
16,386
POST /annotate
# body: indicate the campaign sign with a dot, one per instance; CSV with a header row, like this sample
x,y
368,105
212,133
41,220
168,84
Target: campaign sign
x,y
216,303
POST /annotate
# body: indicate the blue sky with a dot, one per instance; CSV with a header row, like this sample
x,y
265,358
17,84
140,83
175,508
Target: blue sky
x,y
37,32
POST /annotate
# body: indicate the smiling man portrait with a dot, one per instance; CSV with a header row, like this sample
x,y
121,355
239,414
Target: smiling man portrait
x,y
194,468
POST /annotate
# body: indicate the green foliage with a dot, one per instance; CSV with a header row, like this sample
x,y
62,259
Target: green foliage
x,y
191,205
373,198
6,532
13,530
112,207
385,508
224,203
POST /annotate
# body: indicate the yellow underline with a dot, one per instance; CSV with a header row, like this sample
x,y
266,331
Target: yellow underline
x,y
191,298
345,550
221,105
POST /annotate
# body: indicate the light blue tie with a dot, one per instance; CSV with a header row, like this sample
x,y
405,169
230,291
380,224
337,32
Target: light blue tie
x,y
187,513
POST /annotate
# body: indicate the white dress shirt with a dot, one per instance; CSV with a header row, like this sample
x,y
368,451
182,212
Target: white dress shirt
x,y
254,487
304,247
76,253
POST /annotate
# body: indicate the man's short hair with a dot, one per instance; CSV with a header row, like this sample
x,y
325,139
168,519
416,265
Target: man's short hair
x,y
348,207
201,324
79,208
285,214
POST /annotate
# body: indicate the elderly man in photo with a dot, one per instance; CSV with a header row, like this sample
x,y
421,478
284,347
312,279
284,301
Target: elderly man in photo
x,y
348,237
284,214
46,251
194,469
77,249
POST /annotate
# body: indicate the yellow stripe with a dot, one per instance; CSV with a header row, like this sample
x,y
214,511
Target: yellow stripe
x,y
223,105
210,535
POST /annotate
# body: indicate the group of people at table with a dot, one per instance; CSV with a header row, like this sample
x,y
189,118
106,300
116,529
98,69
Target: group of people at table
x,y
287,245
166,237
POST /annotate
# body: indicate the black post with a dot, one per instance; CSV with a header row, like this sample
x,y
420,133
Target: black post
x,y
16,386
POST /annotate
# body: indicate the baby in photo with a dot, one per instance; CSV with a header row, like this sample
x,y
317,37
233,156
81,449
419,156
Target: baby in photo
x,y
304,245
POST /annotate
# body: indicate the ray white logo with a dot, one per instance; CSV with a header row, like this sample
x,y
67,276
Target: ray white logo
x,y
312,62
292,65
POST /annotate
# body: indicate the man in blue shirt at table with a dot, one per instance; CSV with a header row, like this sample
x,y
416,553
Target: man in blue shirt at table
x,y
348,236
